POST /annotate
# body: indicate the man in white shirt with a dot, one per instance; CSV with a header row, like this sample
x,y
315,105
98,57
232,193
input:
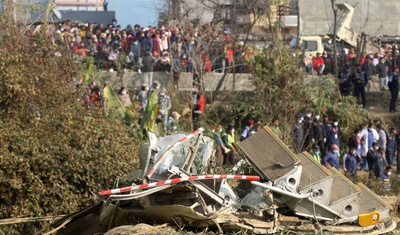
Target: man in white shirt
x,y
364,143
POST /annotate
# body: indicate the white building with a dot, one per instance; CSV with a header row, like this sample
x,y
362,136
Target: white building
x,y
80,5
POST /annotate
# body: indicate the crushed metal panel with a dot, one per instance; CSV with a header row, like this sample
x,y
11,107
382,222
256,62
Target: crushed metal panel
x,y
85,222
312,170
210,195
348,206
291,180
178,156
335,191
323,187
268,155
309,209
351,229
176,214
375,203
342,187
257,202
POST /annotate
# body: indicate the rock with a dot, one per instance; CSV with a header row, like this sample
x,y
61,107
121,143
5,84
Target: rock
x,y
163,229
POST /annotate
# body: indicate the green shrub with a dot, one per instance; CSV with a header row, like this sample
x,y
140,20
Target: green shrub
x,y
53,150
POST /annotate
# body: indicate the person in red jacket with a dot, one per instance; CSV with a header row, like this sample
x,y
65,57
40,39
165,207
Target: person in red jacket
x,y
318,64
198,102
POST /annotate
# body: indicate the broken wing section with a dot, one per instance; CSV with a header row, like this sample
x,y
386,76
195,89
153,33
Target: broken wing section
x,y
268,154
307,187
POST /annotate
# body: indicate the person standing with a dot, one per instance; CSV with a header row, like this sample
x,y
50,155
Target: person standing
x,y
355,142
394,89
146,43
228,139
359,79
345,83
307,124
332,137
148,67
164,102
391,146
315,153
375,60
350,162
369,69
382,142
198,103
328,60
371,156
137,53
373,135
221,149
369,136
398,153
275,127
195,94
298,133
318,134
331,159
142,98
327,127
382,71
113,56
380,164
246,131
328,46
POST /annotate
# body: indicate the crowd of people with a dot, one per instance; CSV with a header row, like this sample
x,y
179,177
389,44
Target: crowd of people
x,y
172,49
152,103
370,148
356,74
146,49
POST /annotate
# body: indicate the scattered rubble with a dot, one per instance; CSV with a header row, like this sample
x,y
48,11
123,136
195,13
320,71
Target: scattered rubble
x,y
283,191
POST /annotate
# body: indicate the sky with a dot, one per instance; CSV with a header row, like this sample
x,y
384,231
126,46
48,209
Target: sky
x,y
142,12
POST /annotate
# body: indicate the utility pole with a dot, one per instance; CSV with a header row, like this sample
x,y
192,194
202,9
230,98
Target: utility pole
x,y
279,25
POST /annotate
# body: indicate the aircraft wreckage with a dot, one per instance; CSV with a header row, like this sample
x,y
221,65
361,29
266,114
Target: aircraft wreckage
x,y
274,190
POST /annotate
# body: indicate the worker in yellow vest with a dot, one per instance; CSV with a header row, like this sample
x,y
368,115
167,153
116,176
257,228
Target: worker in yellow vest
x,y
316,153
228,139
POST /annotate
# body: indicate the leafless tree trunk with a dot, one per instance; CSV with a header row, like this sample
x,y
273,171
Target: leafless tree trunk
x,y
334,8
298,23
9,10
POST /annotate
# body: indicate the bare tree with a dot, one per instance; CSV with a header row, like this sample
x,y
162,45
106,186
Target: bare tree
x,y
9,10
224,17
298,23
334,9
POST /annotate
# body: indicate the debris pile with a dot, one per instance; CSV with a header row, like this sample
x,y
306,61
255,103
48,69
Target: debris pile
x,y
286,191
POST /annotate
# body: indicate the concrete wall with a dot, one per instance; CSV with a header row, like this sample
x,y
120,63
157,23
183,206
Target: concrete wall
x,y
133,80
104,17
316,17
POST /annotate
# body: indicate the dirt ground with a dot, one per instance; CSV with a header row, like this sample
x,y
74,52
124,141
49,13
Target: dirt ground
x,y
378,105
